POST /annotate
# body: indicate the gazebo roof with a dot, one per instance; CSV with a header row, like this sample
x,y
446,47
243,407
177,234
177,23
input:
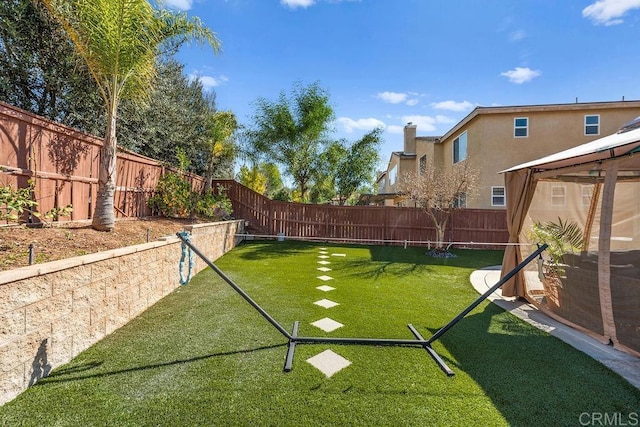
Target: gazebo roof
x,y
622,143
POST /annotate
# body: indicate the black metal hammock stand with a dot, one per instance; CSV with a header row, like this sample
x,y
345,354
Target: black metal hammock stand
x,y
294,339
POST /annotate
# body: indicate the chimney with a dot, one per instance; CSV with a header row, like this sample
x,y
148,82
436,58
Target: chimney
x,y
410,138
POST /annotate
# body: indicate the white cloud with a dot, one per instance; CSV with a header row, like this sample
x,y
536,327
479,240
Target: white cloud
x,y
453,106
350,125
424,123
395,129
521,75
444,119
398,98
293,4
209,82
609,12
392,97
516,36
179,4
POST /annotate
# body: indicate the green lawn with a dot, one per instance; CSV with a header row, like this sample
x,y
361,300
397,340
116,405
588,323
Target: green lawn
x,y
203,356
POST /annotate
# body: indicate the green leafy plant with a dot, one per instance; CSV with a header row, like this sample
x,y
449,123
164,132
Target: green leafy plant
x,y
56,213
562,237
174,198
216,206
14,202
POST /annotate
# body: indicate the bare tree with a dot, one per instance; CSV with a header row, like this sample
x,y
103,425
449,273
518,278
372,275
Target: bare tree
x,y
441,192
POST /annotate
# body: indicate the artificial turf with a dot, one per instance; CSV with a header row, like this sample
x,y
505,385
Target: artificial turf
x,y
203,356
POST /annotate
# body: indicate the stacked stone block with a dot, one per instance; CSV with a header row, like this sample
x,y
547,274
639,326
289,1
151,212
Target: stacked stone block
x,y
51,312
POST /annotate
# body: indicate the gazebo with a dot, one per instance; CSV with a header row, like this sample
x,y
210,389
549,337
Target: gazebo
x,y
585,203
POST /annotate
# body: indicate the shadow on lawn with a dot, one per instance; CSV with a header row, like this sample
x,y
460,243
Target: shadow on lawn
x,y
374,270
528,374
466,258
62,375
260,250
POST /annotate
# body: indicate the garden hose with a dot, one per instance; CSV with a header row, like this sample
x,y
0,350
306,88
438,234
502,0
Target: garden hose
x,y
192,260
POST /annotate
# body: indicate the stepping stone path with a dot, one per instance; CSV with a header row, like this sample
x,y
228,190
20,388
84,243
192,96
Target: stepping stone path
x,y
326,303
328,362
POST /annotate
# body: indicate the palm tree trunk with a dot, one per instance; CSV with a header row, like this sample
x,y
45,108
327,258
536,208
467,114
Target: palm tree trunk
x,y
103,215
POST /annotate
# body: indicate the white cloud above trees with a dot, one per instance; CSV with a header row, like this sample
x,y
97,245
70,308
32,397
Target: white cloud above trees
x,y
609,12
521,75
410,99
179,4
453,106
349,125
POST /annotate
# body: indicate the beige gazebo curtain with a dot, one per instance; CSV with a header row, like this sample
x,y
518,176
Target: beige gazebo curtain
x,y
520,187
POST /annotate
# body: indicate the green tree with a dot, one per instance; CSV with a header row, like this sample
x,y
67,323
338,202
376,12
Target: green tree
x,y
252,178
39,71
275,186
221,127
174,118
326,171
358,167
292,131
119,40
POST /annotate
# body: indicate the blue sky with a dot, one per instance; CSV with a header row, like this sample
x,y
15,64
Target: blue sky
x,y
430,62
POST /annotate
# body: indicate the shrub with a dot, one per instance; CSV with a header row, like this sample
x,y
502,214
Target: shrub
x,y
172,196
175,198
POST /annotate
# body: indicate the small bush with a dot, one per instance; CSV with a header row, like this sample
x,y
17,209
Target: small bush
x,y
174,198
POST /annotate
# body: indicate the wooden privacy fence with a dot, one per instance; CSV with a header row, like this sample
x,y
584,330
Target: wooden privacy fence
x,y
478,228
64,163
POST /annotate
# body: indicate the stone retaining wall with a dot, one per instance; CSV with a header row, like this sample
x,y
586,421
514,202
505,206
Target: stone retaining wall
x,y
51,312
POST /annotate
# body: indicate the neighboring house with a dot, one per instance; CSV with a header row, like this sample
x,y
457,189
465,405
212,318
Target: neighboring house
x,y
497,138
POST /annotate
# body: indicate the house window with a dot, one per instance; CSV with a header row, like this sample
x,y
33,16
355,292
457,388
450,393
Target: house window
x,y
461,201
521,127
592,125
460,148
422,166
558,195
393,175
498,196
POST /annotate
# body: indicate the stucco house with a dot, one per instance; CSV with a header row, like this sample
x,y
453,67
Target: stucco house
x,y
500,137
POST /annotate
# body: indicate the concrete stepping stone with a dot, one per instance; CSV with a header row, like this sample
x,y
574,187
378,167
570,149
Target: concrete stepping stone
x,y
323,252
324,262
328,362
324,278
327,324
343,255
322,249
323,256
325,288
326,303
324,269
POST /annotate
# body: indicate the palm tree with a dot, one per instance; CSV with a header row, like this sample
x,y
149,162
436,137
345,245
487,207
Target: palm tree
x,y
120,40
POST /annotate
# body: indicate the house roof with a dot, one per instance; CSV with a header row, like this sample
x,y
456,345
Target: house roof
x,y
538,108
609,147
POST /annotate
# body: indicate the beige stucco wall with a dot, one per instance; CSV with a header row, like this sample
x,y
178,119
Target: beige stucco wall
x,y
51,312
490,140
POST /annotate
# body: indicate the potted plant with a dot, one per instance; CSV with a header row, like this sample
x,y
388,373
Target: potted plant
x,y
562,237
